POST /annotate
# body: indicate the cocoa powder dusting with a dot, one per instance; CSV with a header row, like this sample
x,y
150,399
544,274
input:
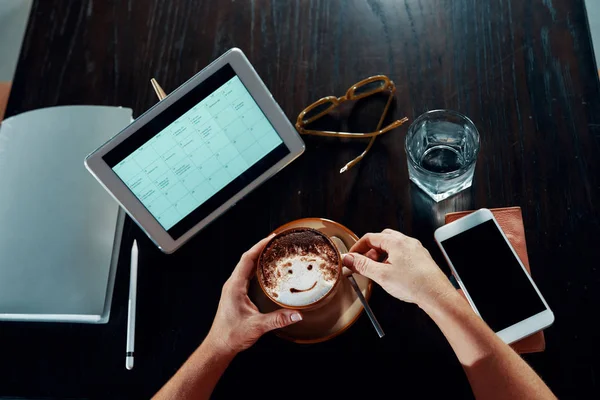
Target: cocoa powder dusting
x,y
303,242
329,272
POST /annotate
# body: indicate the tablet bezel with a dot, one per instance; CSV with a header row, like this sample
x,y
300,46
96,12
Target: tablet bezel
x,y
133,206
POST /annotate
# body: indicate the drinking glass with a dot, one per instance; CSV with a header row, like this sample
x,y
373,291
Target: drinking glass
x,y
441,151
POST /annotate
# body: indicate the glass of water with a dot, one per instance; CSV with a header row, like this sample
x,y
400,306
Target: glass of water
x,y
441,150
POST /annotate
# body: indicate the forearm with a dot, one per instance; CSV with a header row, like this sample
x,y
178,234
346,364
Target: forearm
x,y
494,370
197,378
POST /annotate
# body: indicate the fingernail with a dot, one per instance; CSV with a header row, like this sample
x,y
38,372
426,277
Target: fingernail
x,y
348,260
296,317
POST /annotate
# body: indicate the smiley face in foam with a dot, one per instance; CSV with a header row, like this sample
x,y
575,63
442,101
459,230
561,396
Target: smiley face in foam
x,y
299,267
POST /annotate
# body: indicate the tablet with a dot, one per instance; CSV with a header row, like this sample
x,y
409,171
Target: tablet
x,y
193,155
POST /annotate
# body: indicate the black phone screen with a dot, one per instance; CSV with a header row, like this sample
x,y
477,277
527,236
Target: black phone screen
x,y
489,271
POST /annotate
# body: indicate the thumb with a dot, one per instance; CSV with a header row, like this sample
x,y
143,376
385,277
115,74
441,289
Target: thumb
x,y
363,265
278,319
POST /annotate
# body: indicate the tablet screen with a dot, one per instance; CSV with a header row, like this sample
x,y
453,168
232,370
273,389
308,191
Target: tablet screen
x,y
198,153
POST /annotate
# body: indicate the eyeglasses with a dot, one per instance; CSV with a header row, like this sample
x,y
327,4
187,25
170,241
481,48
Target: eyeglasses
x,y
326,105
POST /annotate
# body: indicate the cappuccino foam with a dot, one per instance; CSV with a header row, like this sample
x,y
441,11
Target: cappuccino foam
x,y
299,267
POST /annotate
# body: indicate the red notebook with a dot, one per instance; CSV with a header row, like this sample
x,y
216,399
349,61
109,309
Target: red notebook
x,y
511,222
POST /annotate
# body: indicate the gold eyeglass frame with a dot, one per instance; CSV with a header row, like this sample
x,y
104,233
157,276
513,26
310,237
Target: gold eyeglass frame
x,y
351,96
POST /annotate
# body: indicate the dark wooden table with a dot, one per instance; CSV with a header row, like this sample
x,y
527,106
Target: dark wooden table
x,y
524,72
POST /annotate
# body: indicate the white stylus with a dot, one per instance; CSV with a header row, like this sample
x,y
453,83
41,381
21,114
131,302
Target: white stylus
x,y
131,310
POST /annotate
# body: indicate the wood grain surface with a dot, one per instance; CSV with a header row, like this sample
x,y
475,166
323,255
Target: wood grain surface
x,y
523,71
4,93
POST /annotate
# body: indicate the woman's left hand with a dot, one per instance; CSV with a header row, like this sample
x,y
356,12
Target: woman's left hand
x,y
238,323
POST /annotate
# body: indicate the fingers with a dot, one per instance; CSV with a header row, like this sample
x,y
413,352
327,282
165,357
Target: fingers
x,y
373,255
397,235
277,319
381,242
364,266
245,268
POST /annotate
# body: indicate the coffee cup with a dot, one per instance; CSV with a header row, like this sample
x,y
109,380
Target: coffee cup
x,y
300,269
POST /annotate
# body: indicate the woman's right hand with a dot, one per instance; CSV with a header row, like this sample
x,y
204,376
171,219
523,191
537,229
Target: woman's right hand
x,y
408,272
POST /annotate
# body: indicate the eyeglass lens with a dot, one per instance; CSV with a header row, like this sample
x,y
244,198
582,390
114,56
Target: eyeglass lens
x,y
369,87
313,112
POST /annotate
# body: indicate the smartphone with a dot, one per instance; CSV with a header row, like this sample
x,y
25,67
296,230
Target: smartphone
x,y
492,276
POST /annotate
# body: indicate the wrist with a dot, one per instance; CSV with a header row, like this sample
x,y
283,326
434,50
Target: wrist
x,y
440,298
217,347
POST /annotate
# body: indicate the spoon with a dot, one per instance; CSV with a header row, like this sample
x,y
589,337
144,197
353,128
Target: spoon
x,y
347,273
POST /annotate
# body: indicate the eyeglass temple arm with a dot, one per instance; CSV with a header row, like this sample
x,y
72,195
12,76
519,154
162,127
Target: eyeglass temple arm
x,y
364,153
359,157
393,125
387,128
385,110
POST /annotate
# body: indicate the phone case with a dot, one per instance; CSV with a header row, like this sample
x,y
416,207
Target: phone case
x,y
510,220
